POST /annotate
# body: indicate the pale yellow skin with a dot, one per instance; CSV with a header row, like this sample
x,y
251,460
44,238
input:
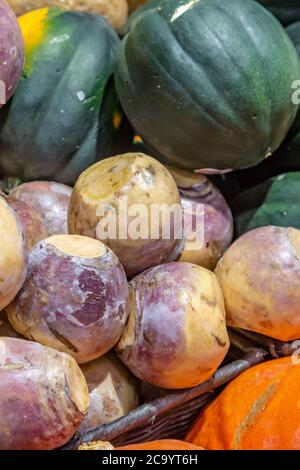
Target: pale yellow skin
x,y
12,255
185,178
260,277
176,335
116,11
112,391
137,179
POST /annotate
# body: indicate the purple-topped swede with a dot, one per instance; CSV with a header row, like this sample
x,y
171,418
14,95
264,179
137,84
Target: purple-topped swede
x,y
74,299
13,259
33,227
49,200
11,52
208,222
43,396
176,334
260,277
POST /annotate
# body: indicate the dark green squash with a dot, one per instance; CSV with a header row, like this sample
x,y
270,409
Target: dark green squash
x,y
273,202
208,83
287,11
61,119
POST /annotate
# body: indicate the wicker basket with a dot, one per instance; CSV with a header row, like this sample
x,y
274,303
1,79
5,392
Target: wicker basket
x,y
245,340
171,415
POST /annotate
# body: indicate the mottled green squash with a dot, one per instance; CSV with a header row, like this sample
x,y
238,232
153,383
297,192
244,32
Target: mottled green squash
x,y
208,83
61,119
274,202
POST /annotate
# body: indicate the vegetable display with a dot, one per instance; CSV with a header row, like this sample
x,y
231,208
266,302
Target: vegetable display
x,y
163,444
128,187
61,118
259,275
49,200
44,396
176,335
207,219
263,398
149,226
33,228
274,202
112,390
74,299
11,52
207,121
13,259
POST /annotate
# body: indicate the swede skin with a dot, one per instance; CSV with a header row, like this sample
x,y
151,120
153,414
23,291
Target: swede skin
x,y
11,51
205,210
112,391
43,396
13,261
260,277
49,200
33,227
131,179
74,299
176,334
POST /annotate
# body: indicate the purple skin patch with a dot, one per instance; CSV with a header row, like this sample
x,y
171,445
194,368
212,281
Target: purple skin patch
x,y
49,200
76,305
11,52
166,315
33,227
214,218
36,408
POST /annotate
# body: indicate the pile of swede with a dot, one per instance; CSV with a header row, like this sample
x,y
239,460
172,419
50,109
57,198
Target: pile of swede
x,y
94,317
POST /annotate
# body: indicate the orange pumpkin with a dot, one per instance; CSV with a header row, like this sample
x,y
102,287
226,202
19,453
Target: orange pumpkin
x,y
259,410
164,444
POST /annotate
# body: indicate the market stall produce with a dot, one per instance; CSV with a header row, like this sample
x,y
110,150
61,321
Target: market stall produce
x,y
238,420
61,119
74,299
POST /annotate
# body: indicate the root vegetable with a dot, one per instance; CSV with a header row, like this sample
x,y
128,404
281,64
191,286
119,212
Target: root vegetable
x,y
74,299
13,265
128,187
49,200
176,335
208,223
33,227
116,11
112,391
11,52
44,396
259,276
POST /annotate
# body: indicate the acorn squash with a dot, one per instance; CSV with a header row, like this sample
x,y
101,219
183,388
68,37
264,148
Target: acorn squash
x,y
273,202
61,118
207,96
